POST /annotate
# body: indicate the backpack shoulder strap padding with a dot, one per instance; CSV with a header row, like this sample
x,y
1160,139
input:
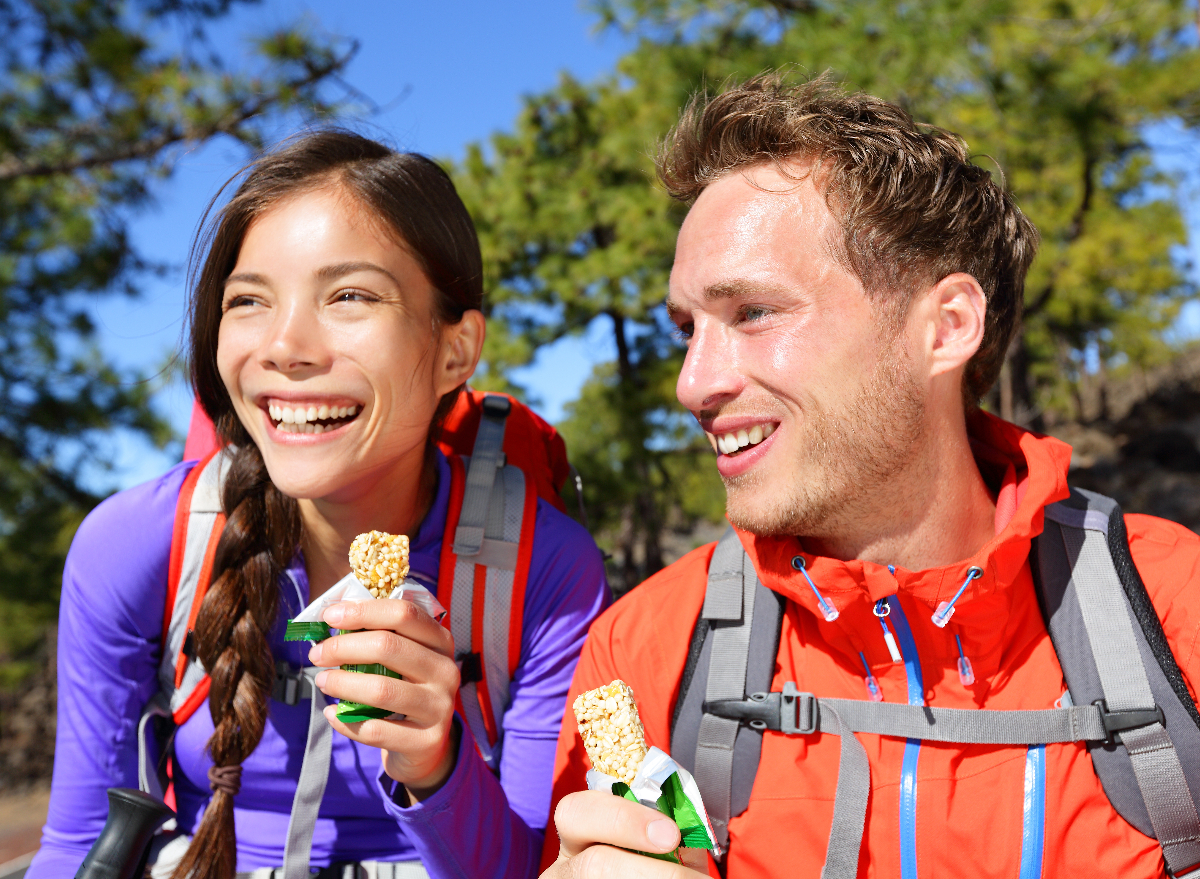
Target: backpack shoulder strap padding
x,y
1085,576
734,645
486,555
199,522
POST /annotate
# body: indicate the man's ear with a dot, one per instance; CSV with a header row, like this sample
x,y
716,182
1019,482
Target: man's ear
x,y
461,346
956,309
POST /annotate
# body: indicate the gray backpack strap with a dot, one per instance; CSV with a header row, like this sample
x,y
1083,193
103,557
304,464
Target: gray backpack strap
x,y
488,535
733,652
487,456
310,788
1153,781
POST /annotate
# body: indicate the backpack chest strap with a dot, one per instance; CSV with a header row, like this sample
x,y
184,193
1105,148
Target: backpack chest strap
x,y
795,713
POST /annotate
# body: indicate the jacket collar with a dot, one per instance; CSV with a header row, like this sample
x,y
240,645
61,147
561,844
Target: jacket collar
x,y
1026,471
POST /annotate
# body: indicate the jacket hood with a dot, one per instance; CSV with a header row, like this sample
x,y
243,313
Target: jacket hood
x,y
1025,471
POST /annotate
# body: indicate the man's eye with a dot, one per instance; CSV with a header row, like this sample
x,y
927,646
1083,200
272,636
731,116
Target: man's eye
x,y
683,332
754,312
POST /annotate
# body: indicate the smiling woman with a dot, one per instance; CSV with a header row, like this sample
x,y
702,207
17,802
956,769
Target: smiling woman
x,y
335,320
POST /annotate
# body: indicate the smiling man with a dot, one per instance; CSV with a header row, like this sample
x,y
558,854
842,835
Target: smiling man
x,y
848,283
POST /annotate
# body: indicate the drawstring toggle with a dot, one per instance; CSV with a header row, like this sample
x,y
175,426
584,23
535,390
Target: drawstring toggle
x,y
827,610
945,610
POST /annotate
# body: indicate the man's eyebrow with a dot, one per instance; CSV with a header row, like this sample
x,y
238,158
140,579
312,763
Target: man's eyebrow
x,y
325,273
733,289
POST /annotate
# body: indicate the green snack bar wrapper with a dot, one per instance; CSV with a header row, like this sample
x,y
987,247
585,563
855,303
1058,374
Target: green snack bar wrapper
x,y
663,784
309,626
298,630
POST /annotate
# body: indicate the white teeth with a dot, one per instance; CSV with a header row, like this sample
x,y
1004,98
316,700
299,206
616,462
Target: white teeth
x,y
301,415
318,428
712,440
351,410
729,443
273,411
312,413
323,412
287,416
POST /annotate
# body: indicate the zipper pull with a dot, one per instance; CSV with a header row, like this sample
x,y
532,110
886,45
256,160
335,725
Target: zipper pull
x,y
873,690
966,674
882,609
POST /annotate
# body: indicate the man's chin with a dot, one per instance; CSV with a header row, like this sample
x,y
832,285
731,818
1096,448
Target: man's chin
x,y
765,517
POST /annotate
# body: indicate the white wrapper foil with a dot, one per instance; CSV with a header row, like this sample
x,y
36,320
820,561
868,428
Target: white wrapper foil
x,y
349,589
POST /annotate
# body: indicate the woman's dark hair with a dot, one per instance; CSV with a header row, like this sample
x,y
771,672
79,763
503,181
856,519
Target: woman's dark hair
x,y
414,199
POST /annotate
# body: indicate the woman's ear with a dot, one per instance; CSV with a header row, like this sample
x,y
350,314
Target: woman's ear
x,y
957,310
461,346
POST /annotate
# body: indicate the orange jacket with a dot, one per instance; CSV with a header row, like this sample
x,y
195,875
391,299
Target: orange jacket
x,y
969,798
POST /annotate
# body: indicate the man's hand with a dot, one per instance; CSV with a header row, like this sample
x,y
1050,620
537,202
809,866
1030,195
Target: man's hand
x,y
420,750
590,823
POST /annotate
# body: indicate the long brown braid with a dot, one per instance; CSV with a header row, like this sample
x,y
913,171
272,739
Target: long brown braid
x,y
417,201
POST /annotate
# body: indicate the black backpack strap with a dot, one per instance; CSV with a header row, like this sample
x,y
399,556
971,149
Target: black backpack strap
x,y
738,627
1112,650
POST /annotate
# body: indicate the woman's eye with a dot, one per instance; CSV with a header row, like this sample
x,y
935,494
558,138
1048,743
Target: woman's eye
x,y
355,296
238,301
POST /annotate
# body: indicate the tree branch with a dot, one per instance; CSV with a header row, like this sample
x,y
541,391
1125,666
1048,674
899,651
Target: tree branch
x,y
13,168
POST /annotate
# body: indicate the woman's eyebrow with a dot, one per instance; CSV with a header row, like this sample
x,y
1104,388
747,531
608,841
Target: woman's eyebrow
x,y
325,273
246,278
340,270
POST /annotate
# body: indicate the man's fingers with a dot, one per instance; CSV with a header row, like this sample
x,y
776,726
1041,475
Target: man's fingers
x,y
606,862
589,817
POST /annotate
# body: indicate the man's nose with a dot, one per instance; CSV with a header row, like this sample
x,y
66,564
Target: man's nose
x,y
295,340
710,373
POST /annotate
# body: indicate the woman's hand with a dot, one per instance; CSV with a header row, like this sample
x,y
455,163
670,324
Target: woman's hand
x,y
420,750
591,824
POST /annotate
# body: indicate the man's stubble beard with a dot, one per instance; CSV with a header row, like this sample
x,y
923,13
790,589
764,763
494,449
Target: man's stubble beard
x,y
851,457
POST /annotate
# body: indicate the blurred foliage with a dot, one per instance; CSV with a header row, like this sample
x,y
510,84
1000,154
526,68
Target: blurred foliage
x,y
97,99
1058,93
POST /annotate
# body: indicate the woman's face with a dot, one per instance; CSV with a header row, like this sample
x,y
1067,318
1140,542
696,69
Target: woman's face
x,y
330,350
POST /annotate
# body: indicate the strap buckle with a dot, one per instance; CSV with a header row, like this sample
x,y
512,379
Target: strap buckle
x,y
291,685
496,406
1117,722
791,712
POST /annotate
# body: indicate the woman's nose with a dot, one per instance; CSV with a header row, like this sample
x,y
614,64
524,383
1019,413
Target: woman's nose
x,y
295,341
710,371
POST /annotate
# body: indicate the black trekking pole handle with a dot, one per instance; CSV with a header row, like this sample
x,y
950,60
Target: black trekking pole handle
x,y
120,851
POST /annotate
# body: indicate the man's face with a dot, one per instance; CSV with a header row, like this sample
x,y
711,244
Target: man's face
x,y
803,383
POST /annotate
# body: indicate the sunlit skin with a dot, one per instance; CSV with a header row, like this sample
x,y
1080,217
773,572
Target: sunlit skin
x,y
780,334
326,307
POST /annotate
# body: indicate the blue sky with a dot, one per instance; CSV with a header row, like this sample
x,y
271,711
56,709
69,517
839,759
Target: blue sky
x,y
447,74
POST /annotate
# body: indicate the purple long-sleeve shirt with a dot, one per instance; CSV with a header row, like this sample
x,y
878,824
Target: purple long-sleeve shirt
x,y
110,634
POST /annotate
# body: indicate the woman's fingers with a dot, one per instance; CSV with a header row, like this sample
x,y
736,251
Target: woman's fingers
x,y
397,652
396,615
